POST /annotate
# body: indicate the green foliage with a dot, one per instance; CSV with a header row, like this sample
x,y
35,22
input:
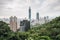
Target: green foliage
x,y
50,29
58,37
4,30
45,38
47,31
6,33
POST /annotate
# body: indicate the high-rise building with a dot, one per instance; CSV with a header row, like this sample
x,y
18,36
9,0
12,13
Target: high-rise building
x,y
13,23
30,13
37,16
24,25
46,19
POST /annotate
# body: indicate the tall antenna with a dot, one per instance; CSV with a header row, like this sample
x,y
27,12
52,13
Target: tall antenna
x,y
29,2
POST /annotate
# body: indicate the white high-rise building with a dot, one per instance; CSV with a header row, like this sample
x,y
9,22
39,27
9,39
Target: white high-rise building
x,y
13,23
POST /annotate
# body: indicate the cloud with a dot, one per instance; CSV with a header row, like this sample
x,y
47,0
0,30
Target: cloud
x,y
20,7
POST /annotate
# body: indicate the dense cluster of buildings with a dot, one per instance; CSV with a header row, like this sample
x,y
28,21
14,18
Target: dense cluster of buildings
x,y
24,25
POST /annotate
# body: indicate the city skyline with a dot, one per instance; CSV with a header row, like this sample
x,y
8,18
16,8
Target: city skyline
x,y
20,8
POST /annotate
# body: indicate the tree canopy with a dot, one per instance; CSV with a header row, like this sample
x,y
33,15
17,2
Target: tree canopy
x,y
47,31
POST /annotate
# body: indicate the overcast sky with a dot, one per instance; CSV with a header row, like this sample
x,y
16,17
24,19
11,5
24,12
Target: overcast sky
x,y
20,8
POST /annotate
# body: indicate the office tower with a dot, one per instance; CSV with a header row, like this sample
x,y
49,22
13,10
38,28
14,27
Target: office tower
x,y
46,19
13,23
37,16
24,25
30,13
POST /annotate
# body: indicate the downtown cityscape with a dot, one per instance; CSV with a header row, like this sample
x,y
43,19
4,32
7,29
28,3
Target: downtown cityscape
x,y
29,19
16,23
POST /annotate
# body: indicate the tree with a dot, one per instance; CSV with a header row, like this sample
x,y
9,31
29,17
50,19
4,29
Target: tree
x,y
4,30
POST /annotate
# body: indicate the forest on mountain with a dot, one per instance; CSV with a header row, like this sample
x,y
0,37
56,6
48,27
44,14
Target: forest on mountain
x,y
47,31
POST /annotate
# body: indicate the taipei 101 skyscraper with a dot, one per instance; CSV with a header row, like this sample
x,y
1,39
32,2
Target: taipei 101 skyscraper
x,y
29,13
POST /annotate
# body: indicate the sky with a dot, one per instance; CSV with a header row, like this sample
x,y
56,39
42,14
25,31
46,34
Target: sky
x,y
20,8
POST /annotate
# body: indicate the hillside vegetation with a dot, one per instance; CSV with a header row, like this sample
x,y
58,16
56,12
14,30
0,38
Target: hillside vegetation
x,y
47,31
